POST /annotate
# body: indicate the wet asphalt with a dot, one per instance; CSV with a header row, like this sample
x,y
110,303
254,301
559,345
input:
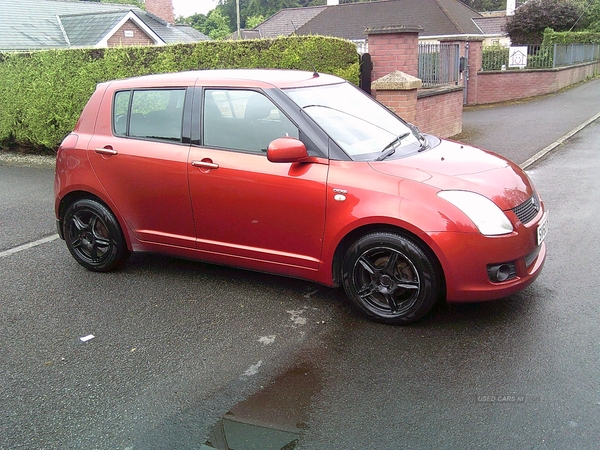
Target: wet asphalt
x,y
520,129
185,353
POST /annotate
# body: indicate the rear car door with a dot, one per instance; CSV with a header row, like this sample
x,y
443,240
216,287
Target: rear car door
x,y
140,157
254,212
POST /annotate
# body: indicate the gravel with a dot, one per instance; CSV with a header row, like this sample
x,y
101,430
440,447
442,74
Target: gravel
x,y
21,159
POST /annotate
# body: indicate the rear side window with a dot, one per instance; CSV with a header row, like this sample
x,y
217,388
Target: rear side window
x,y
149,114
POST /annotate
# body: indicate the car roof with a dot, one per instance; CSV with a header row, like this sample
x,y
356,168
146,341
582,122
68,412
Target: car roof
x,y
259,78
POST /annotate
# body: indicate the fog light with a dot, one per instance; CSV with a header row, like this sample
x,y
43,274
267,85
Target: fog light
x,y
501,272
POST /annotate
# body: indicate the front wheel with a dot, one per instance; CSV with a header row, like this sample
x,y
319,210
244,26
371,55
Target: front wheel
x,y
390,278
93,236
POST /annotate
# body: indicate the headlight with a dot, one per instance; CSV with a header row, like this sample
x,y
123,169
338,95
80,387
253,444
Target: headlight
x,y
485,214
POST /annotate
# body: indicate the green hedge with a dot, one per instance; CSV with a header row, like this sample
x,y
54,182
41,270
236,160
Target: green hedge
x,y
570,37
42,93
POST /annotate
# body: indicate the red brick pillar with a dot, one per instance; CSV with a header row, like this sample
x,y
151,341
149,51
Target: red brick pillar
x,y
162,9
398,91
471,47
394,48
475,48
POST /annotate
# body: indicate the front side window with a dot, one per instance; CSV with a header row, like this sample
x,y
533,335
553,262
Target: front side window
x,y
149,114
363,128
243,120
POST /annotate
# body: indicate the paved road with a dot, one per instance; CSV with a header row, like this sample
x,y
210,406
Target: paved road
x,y
180,344
518,373
519,130
26,200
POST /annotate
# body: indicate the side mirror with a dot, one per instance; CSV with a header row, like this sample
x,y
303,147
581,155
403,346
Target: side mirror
x,y
286,150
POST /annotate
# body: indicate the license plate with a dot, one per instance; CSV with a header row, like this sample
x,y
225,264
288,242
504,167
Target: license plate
x,y
542,229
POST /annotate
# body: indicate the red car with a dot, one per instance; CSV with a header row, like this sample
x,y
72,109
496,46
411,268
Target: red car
x,y
297,174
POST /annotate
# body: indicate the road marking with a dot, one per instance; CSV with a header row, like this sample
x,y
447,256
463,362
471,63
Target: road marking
x,y
539,155
29,245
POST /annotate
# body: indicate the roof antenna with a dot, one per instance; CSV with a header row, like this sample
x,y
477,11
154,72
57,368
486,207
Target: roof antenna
x,y
315,73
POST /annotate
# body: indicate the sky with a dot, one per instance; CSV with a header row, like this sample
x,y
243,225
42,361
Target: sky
x,y
187,8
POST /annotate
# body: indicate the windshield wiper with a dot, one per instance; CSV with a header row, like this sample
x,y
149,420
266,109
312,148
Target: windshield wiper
x,y
423,145
390,149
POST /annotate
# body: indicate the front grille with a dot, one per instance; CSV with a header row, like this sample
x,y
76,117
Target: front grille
x,y
527,210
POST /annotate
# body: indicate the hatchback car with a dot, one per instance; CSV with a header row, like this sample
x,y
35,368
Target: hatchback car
x,y
299,174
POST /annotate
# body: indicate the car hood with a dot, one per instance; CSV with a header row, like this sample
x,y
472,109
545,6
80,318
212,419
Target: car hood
x,y
454,166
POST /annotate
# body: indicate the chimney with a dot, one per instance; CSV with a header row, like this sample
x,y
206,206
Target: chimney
x,y
333,2
162,9
511,5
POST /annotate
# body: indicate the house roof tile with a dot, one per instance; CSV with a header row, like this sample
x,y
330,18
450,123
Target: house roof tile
x,y
491,25
349,20
286,21
36,24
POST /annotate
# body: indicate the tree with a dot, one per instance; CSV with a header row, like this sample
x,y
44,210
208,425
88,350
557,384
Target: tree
x,y
216,25
591,21
197,21
530,20
254,21
486,5
249,8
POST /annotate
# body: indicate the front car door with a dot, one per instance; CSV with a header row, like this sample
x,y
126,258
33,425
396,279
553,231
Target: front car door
x,y
248,211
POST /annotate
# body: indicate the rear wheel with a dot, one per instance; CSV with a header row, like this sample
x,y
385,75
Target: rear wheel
x,y
390,278
93,236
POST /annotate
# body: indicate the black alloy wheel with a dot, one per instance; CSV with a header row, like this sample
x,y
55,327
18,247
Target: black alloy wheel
x,y
93,236
390,278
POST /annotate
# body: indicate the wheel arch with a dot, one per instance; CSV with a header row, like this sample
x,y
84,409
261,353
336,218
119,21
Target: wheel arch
x,y
73,196
361,231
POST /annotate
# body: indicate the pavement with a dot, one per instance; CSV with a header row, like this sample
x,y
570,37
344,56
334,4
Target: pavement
x,y
525,131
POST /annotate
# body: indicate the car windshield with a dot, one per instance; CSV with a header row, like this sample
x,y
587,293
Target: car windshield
x,y
363,128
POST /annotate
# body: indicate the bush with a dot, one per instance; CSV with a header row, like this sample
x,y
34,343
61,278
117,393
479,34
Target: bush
x,y
43,93
528,23
570,37
494,57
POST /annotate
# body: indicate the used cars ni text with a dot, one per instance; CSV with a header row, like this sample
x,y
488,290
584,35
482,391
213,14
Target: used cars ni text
x,y
299,174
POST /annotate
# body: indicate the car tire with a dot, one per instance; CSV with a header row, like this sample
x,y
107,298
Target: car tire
x,y
390,278
93,236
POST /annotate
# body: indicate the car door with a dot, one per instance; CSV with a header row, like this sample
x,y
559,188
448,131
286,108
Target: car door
x,y
141,160
258,214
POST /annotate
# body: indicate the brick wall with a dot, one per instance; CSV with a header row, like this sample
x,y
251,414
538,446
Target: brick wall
x,y
439,111
395,54
403,103
123,38
493,87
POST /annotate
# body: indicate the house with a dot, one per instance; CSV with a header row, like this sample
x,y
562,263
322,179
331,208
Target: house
x,y
439,19
27,25
493,23
492,26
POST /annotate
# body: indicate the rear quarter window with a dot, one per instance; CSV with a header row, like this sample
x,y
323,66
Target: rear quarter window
x,y
149,114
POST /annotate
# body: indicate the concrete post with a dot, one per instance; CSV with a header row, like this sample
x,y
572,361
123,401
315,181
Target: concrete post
x,y
398,91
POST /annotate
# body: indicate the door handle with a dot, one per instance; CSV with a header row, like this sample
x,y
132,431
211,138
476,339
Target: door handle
x,y
105,151
205,164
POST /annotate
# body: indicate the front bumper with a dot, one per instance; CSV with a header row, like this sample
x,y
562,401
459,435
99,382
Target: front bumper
x,y
469,261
